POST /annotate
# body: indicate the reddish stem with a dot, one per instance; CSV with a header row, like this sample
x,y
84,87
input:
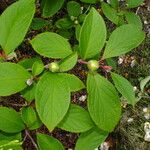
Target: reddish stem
x,y
82,61
106,68
3,55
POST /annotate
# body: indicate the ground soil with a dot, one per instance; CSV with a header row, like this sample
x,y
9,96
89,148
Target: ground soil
x,y
142,56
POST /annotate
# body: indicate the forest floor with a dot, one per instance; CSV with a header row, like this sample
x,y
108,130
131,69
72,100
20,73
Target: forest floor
x,y
129,134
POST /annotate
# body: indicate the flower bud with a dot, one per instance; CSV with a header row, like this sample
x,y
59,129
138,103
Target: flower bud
x,y
29,82
54,67
76,22
93,65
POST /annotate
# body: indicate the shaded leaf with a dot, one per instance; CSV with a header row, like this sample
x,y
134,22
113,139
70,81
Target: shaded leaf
x,y
29,93
69,62
38,23
76,120
91,139
73,8
89,1
30,118
11,121
50,7
134,3
134,19
124,87
144,82
110,13
37,67
46,142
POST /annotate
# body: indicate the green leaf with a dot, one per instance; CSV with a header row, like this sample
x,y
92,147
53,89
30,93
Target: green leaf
x,y
73,8
37,67
10,136
14,24
65,33
46,142
11,121
77,31
52,99
38,23
111,62
75,84
92,35
103,102
134,3
89,1
134,19
114,3
13,146
76,120
27,63
69,62
121,41
64,23
51,7
29,93
30,118
81,18
13,78
124,87
51,45
9,140
91,139
110,13
144,82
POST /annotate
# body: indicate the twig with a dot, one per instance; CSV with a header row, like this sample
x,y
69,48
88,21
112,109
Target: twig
x,y
33,142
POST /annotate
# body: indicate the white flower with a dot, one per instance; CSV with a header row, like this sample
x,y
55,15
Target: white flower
x,y
133,63
145,109
120,60
134,88
147,127
82,98
108,1
145,22
147,116
104,146
130,120
147,137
